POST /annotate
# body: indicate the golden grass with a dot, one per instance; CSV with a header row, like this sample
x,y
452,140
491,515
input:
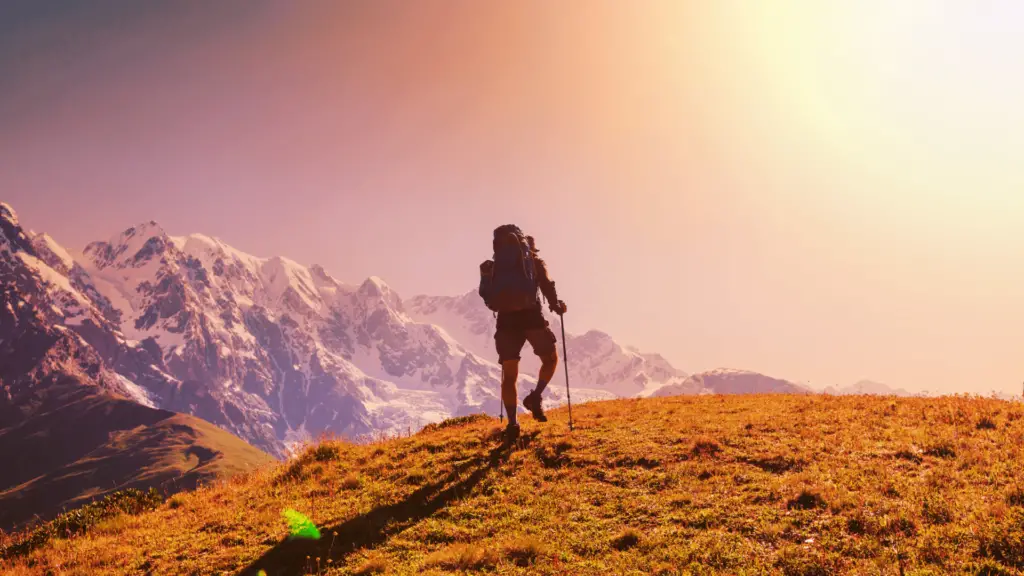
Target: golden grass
x,y
793,485
462,557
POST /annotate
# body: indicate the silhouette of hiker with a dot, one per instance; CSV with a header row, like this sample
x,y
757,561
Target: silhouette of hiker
x,y
508,285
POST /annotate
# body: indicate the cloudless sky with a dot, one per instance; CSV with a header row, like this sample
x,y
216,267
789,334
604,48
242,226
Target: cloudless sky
x,y
819,190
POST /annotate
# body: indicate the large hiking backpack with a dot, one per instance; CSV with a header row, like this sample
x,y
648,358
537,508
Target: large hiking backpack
x,y
513,282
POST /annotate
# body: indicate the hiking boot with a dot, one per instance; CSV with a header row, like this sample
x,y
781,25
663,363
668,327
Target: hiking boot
x,y
532,403
512,433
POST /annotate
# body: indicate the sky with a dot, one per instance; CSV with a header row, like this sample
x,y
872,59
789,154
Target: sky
x,y
820,190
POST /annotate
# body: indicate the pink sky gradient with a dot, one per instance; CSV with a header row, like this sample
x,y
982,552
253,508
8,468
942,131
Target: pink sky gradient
x,y
820,191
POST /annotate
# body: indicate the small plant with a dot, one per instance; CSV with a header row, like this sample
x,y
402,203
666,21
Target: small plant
x,y
986,423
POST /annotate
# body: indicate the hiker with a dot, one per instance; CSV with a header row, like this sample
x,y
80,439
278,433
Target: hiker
x,y
508,285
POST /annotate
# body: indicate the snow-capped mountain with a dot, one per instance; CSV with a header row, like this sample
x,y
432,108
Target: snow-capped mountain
x,y
867,387
277,352
730,381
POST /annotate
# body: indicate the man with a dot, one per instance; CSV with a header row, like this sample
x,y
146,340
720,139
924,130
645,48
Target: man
x,y
509,285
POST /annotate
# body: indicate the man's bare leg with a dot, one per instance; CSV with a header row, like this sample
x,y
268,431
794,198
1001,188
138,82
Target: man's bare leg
x,y
547,371
510,374
533,401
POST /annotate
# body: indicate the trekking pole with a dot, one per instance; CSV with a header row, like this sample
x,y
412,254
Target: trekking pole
x,y
565,361
501,401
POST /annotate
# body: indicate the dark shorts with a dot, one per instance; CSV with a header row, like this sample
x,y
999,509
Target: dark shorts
x,y
510,341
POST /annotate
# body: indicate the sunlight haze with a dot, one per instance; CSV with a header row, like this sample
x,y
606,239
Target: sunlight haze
x,y
821,191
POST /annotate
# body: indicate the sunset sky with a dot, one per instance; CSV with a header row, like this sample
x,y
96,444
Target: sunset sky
x,y
822,191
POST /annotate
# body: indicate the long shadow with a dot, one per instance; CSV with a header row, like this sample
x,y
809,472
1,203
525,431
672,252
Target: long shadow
x,y
379,524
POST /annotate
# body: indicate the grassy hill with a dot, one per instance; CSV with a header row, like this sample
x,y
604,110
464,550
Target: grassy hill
x,y
96,444
801,485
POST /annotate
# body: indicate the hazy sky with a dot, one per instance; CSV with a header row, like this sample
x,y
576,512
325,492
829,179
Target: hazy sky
x,y
821,191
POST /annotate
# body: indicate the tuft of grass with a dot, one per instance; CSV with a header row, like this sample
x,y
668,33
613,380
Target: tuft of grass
x,y
415,477
935,510
458,421
352,481
806,500
326,453
372,566
941,449
986,423
705,447
524,551
629,538
176,501
463,557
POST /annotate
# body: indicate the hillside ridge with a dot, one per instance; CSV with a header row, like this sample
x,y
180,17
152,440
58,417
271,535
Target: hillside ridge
x,y
774,483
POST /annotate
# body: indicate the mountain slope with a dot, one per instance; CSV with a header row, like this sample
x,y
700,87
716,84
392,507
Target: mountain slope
x,y
99,444
765,484
70,428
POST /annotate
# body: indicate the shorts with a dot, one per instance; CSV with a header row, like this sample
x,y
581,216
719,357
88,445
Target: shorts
x,y
510,341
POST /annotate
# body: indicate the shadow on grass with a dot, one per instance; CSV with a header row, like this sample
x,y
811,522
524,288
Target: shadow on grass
x,y
376,526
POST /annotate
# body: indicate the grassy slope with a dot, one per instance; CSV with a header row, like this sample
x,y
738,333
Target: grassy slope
x,y
738,485
91,447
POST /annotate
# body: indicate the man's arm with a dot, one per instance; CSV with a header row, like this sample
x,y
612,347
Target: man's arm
x,y
547,286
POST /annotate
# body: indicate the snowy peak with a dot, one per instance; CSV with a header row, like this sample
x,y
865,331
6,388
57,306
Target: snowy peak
x,y
53,253
132,248
12,237
8,215
373,289
731,381
868,387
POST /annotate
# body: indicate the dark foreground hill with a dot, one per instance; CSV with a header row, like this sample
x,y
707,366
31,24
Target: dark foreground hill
x,y
98,444
768,484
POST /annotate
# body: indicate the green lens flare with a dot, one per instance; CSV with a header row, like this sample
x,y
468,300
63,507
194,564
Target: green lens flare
x,y
299,526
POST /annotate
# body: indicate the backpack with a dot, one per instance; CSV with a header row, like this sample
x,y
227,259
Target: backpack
x,y
512,284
